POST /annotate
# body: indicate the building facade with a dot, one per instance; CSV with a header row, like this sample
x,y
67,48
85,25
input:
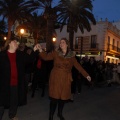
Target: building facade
x,y
102,42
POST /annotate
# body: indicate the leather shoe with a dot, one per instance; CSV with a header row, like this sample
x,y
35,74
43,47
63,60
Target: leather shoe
x,y
61,117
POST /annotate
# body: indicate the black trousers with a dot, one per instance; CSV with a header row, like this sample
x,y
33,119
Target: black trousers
x,y
38,81
119,75
13,103
53,104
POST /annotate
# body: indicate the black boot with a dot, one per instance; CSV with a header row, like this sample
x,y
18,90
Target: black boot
x,y
50,117
61,117
1,112
53,105
60,109
33,94
43,91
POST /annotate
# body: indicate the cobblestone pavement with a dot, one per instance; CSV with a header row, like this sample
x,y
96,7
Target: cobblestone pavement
x,y
97,104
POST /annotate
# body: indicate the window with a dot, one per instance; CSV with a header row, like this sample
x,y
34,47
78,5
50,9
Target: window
x,y
113,45
76,43
117,45
93,41
108,60
112,60
108,42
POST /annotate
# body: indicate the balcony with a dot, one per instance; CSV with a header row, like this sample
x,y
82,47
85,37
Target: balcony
x,y
112,48
87,48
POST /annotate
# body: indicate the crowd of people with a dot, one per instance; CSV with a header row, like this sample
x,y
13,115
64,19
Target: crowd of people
x,y
21,65
102,74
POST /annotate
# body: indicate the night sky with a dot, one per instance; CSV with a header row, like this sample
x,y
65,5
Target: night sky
x,y
104,9
107,9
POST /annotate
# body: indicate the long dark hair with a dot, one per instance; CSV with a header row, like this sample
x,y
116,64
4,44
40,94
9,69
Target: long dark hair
x,y
68,47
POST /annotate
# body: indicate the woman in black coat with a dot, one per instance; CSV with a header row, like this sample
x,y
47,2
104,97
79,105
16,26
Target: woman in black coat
x,y
13,91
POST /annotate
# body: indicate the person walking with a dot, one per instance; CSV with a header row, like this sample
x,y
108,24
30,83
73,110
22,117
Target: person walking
x,y
118,70
13,90
115,75
61,77
39,76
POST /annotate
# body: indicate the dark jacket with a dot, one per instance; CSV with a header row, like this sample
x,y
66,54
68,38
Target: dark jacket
x,y
22,59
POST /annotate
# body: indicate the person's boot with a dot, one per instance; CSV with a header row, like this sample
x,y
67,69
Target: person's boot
x,y
15,118
50,117
1,112
61,117
33,94
33,87
43,91
60,109
53,105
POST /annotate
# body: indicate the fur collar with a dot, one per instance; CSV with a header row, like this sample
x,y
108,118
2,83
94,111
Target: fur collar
x,y
69,55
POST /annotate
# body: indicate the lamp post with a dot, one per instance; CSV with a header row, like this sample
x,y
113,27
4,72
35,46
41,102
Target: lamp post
x,y
54,41
5,38
21,32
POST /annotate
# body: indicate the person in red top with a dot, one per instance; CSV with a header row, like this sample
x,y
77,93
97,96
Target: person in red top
x,y
12,58
12,77
36,75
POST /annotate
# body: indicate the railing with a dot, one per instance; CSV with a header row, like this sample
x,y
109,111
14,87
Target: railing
x,y
94,46
88,47
112,47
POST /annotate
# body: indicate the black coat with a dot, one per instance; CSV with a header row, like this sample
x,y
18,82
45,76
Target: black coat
x,y
22,59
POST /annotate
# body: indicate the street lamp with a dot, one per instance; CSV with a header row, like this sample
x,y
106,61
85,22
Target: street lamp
x,y
54,41
5,38
21,32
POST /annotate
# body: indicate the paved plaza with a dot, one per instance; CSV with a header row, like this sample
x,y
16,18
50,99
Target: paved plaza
x,y
97,104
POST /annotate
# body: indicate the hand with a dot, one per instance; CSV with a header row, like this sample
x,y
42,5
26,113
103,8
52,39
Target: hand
x,y
38,47
89,78
35,48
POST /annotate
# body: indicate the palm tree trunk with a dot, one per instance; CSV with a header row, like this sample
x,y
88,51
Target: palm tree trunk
x,y
71,37
35,41
36,38
10,23
49,34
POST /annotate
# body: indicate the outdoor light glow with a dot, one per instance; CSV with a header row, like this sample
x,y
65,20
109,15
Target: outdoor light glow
x,y
112,57
5,38
22,31
54,39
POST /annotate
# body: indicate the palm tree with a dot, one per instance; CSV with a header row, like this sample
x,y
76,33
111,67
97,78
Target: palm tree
x,y
75,14
13,10
49,13
3,27
36,24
